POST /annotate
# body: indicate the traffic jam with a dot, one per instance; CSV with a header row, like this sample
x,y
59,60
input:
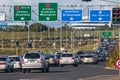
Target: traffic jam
x,y
38,60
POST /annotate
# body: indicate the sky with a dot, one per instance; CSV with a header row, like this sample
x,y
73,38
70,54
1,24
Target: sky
x,y
84,6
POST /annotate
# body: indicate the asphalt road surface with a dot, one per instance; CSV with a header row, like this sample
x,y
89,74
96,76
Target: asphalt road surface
x,y
61,73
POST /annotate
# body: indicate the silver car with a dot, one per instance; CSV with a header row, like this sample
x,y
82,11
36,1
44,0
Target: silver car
x,y
68,59
17,61
89,58
34,61
6,64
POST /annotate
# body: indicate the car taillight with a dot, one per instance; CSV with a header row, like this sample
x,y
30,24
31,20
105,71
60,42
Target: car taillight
x,y
72,57
60,58
19,63
83,58
93,58
2,63
41,60
53,59
22,61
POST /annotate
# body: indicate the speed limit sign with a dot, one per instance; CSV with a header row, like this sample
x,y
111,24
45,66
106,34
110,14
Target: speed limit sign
x,y
117,63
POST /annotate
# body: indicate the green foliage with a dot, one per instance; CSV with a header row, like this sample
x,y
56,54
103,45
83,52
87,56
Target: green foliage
x,y
113,56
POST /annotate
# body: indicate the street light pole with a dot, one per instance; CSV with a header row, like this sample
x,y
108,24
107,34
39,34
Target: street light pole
x,y
27,24
28,33
66,36
61,38
119,48
71,39
2,38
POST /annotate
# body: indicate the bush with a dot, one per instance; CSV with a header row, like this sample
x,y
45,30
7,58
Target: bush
x,y
113,56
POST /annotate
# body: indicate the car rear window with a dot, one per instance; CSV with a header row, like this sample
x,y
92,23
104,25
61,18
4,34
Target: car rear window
x,y
67,55
81,56
51,56
2,59
15,58
88,56
32,56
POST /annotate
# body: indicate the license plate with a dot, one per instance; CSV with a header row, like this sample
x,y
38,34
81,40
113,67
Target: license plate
x,y
31,61
66,62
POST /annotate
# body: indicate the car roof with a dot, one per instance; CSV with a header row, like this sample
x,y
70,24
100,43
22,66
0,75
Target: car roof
x,y
3,55
86,54
66,53
14,56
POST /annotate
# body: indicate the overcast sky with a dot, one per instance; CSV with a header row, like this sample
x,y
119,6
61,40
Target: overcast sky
x,y
60,2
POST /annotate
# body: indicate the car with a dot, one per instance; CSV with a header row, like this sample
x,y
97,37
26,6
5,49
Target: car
x,y
78,59
68,59
89,58
34,60
80,52
52,60
6,64
17,61
101,56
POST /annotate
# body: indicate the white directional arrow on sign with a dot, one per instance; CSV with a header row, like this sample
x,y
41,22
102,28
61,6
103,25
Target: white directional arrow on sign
x,y
71,18
47,18
22,18
100,18
100,12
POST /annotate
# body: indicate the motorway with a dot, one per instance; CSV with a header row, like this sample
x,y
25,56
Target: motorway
x,y
61,73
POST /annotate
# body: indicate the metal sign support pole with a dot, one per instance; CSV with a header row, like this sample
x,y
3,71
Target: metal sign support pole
x,y
119,48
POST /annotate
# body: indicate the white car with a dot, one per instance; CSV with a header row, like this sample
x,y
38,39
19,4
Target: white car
x,y
5,64
17,61
89,58
68,59
34,61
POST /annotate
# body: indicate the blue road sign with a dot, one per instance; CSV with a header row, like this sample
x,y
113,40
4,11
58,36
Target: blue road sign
x,y
3,23
71,15
100,15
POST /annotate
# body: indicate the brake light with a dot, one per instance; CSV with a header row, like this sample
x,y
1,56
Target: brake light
x,y
19,63
53,59
72,57
60,58
22,61
83,58
41,60
93,58
2,63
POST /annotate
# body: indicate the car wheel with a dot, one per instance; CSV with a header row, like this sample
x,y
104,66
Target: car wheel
x,y
29,71
12,70
75,65
24,70
43,70
47,70
96,63
61,65
7,70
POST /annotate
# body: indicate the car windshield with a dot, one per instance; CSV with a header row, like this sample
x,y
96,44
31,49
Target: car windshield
x,y
15,58
2,59
32,56
67,55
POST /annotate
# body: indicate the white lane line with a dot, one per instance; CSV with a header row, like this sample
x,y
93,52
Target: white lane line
x,y
96,77
30,79
80,79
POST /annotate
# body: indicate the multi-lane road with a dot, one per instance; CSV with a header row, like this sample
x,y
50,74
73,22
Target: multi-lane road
x,y
61,73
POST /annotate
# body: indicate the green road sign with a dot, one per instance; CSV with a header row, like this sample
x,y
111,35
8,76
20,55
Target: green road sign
x,y
107,34
47,11
22,13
